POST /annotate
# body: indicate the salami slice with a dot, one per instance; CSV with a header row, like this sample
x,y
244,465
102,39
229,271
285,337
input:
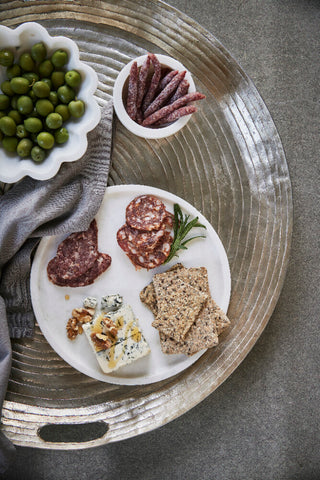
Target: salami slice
x,y
135,241
101,264
78,262
75,255
145,212
156,257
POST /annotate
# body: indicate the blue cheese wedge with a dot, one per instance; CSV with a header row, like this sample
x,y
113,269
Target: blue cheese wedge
x,y
90,302
116,350
110,303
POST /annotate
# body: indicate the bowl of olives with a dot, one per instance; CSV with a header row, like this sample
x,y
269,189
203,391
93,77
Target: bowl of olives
x,y
47,102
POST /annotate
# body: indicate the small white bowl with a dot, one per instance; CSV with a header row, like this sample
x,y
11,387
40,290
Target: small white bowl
x,y
12,167
118,101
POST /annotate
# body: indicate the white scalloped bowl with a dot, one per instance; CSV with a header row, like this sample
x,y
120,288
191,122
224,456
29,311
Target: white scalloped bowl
x,y
12,167
120,87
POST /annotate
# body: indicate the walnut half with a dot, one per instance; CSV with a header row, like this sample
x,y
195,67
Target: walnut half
x,y
79,317
101,341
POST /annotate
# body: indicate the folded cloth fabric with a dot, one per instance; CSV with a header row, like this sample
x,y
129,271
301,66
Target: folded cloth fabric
x,y
32,209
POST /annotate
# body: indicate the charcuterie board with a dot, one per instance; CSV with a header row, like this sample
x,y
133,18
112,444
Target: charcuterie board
x,y
53,304
227,162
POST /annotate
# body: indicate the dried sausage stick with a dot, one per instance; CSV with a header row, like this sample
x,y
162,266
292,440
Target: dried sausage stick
x,y
167,78
133,91
164,111
182,90
176,114
154,82
165,94
142,82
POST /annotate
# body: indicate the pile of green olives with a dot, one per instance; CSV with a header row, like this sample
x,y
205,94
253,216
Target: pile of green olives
x,y
37,98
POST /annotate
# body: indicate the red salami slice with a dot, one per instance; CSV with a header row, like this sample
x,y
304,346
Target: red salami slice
x,y
155,258
134,241
75,255
101,264
145,212
78,261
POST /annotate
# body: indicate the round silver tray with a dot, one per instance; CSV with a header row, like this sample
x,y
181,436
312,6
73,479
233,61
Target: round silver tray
x,y
228,162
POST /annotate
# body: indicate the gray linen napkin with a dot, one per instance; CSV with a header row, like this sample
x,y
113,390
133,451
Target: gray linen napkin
x,y
32,209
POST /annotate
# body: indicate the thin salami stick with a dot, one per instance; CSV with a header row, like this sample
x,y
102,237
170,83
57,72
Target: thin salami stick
x,y
154,82
142,82
133,91
176,114
167,78
182,90
164,111
160,100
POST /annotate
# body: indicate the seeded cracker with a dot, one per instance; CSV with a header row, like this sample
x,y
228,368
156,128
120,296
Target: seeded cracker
x,y
178,305
210,322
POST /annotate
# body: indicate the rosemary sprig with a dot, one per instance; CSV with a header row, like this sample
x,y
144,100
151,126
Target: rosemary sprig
x,y
181,228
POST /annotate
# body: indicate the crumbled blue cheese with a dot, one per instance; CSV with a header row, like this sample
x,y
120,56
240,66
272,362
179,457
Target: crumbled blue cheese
x,y
90,302
128,345
111,303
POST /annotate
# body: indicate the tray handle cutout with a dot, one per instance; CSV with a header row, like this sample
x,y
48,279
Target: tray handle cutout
x,y
73,432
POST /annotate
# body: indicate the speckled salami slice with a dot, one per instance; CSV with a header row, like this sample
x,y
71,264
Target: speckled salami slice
x,y
135,241
101,264
155,258
146,212
75,255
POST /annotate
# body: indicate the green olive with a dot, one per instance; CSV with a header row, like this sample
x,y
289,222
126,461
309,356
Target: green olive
x,y
13,71
53,97
38,154
10,144
6,57
57,78
24,105
4,101
73,78
44,107
19,85
65,94
16,116
6,88
54,121
14,101
45,68
38,52
63,110
32,77
76,108
24,147
61,135
59,58
45,140
21,131
33,124
8,126
26,62
41,89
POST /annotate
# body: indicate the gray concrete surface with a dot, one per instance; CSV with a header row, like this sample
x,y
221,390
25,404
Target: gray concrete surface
x,y
263,422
